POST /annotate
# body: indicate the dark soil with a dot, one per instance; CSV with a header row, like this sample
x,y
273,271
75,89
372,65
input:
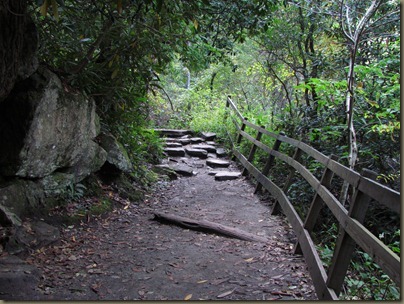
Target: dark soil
x,y
126,255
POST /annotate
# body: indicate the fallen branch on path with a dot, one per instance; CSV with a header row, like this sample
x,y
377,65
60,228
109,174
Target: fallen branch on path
x,y
207,226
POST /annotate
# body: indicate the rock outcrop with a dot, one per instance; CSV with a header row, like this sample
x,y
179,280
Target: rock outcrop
x,y
44,129
50,139
116,153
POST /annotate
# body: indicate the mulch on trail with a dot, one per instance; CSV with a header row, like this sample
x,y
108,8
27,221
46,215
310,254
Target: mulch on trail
x,y
126,255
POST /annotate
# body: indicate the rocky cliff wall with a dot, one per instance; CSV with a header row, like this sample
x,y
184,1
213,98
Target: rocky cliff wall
x,y
50,138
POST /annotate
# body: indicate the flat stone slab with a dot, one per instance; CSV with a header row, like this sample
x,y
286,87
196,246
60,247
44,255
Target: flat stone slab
x,y
172,132
209,135
197,152
183,170
173,144
227,175
185,141
170,139
220,152
214,172
175,151
197,140
17,276
208,148
213,162
166,170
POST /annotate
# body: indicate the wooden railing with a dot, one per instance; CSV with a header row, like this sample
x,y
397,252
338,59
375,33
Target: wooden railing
x,y
352,232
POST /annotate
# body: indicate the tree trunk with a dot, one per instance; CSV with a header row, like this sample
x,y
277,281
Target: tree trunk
x,y
188,83
203,225
18,45
349,104
353,42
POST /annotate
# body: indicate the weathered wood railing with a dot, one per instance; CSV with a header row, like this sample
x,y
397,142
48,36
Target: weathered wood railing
x,y
352,232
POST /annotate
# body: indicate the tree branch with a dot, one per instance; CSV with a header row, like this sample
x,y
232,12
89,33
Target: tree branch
x,y
89,56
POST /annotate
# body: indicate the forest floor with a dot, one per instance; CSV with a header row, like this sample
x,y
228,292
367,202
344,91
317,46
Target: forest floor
x,y
128,255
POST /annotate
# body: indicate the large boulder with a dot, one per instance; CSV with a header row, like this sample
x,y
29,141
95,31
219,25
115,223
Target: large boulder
x,y
116,153
44,128
17,199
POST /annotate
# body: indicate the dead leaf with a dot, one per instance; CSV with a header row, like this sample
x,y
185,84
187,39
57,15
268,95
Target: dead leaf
x,y
225,294
219,281
95,287
72,258
175,265
249,260
278,276
188,297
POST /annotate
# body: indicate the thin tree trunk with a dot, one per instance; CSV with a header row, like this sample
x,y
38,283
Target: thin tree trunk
x,y
354,40
349,104
188,83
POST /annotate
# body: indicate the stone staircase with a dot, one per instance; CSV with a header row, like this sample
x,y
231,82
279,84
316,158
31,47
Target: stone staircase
x,y
188,155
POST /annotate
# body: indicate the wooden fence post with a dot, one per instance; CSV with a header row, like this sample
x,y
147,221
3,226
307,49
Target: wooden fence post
x,y
345,245
253,150
226,109
317,203
276,209
239,137
269,162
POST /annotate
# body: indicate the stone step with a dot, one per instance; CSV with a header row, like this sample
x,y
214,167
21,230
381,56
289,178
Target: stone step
x,y
172,132
169,170
183,170
214,162
208,148
220,152
208,135
184,141
196,152
197,140
172,144
227,175
174,151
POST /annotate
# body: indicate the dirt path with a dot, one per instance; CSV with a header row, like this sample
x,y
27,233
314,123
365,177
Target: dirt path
x,y
129,256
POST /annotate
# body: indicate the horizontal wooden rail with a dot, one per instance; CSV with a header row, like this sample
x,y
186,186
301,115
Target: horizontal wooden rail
x,y
352,230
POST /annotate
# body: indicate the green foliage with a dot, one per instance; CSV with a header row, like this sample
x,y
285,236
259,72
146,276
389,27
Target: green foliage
x,y
142,143
73,192
367,281
101,206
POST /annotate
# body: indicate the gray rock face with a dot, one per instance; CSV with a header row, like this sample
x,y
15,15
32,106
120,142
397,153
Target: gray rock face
x,y
44,129
17,199
116,153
